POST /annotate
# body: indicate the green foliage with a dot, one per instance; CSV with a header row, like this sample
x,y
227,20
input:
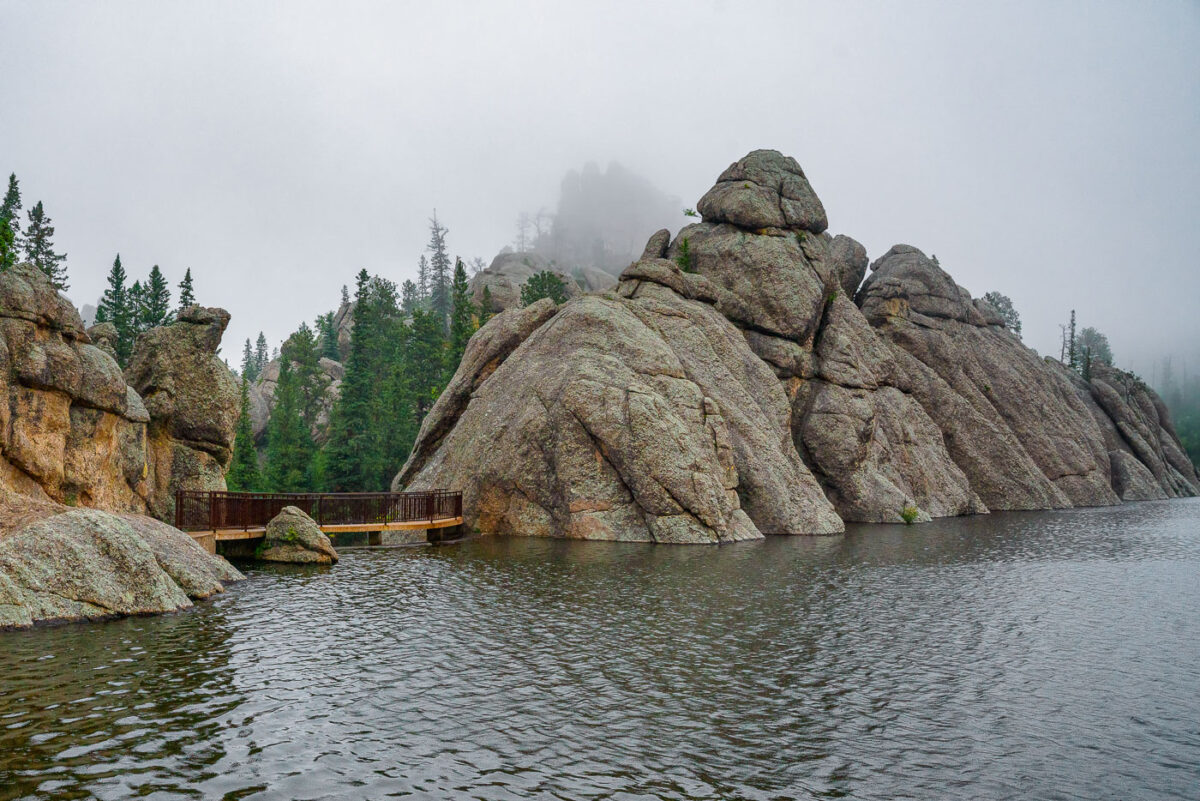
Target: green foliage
x,y
155,308
543,285
261,357
462,319
186,295
486,306
1004,307
909,514
684,259
10,224
439,270
38,242
116,307
410,298
327,335
290,447
244,475
690,213
249,363
1093,347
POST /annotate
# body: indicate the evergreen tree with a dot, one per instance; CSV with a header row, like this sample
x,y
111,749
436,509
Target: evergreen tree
x,y
260,354
353,456
486,309
543,285
137,308
422,278
328,337
38,242
249,363
1004,306
409,299
1072,351
243,475
345,295
186,296
439,271
10,224
462,319
290,447
300,351
115,308
425,354
156,301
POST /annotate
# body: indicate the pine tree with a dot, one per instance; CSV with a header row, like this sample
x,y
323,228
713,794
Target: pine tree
x,y
290,447
486,309
422,278
260,354
353,453
10,224
38,242
1072,353
345,295
424,358
244,475
327,334
186,297
409,299
115,308
543,285
439,271
300,352
462,319
156,301
249,364
137,304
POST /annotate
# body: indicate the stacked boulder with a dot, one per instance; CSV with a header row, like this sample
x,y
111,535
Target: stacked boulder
x,y
740,382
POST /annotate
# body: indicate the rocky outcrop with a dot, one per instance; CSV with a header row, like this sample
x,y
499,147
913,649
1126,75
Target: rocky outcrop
x,y
192,401
294,537
59,564
508,272
262,398
70,429
744,379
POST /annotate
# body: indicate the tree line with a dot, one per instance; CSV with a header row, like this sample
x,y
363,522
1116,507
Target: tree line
x,y
34,243
140,306
406,343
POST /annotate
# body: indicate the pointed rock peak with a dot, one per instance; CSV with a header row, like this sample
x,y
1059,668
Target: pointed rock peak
x,y
765,189
906,274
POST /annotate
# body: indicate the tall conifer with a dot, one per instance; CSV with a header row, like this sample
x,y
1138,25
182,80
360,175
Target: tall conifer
x,y
244,475
439,271
115,308
186,296
462,319
10,224
156,301
38,242
352,452
289,444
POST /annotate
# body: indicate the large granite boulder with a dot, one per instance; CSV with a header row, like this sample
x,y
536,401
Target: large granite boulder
x,y
192,399
70,429
641,415
294,537
744,379
507,274
59,564
1013,424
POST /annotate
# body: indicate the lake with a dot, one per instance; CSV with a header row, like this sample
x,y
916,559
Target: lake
x,y
1041,655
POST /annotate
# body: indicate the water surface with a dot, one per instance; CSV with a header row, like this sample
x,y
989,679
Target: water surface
x,y
1022,655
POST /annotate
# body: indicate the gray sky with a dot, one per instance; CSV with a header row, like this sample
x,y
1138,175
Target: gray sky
x,y
1047,150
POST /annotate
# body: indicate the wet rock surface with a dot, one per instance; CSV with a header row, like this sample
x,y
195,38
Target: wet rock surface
x,y
294,537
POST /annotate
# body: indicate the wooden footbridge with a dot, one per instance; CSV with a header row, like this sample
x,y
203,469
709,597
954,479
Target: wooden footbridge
x,y
212,517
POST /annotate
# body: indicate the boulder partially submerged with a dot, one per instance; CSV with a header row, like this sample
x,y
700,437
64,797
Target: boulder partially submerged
x,y
294,537
740,382
60,564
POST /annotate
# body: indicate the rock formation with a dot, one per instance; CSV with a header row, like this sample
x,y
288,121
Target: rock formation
x,y
739,381
58,563
292,536
192,401
70,429
507,273
262,397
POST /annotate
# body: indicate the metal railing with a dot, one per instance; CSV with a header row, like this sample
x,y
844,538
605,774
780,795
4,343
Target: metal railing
x,y
210,511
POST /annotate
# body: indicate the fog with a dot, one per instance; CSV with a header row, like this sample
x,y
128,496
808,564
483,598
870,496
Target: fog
x,y
1048,151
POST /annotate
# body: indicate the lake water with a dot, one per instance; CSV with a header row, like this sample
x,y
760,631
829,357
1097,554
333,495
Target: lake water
x,y
1022,655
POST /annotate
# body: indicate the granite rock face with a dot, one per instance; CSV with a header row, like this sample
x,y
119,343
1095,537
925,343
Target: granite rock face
x,y
744,379
60,564
508,272
261,393
70,429
192,399
294,537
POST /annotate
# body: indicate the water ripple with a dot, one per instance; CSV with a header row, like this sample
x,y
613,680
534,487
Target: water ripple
x,y
1024,655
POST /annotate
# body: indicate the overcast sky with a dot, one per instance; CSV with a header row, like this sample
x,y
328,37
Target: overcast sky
x,y
1047,150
